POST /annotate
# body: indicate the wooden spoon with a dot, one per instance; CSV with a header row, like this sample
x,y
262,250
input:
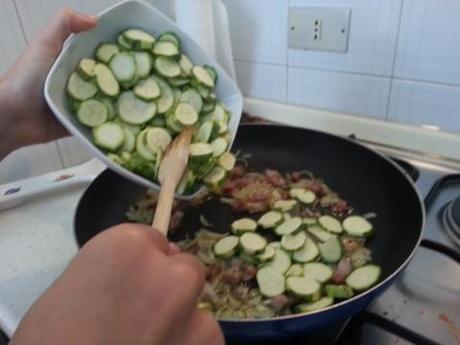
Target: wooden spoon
x,y
171,170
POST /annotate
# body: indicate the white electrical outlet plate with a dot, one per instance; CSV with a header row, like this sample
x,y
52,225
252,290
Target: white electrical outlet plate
x,y
319,28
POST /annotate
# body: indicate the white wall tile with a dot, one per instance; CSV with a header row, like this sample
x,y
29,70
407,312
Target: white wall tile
x,y
428,47
258,30
429,104
35,13
342,92
12,41
72,152
262,80
30,161
372,39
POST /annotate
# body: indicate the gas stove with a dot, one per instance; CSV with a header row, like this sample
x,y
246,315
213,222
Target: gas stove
x,y
421,307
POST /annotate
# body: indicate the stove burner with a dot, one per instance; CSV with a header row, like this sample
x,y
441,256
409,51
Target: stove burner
x,y
451,220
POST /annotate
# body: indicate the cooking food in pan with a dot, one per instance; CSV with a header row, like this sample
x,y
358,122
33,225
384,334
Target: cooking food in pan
x,y
294,246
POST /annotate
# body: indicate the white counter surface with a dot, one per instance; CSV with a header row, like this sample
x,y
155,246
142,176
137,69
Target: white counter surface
x,y
37,240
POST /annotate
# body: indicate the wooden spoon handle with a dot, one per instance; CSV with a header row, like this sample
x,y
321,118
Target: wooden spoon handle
x,y
164,206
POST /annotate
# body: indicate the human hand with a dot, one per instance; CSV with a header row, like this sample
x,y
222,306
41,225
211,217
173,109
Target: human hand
x,y
21,89
126,286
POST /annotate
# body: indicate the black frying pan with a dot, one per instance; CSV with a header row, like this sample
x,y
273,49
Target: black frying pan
x,y
367,180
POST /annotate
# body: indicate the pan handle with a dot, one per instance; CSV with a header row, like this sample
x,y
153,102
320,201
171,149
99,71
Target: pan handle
x,y
441,248
15,194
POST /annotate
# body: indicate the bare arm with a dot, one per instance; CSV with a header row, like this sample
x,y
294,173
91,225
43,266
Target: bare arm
x,y
24,116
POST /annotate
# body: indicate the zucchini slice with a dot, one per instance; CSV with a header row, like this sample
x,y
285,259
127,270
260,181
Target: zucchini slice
x,y
303,195
319,233
139,39
331,250
123,66
267,254
317,271
270,281
166,100
200,152
167,67
157,138
220,113
123,43
79,89
106,51
307,253
130,142
106,81
165,48
281,261
142,149
207,131
338,291
322,303
243,225
252,243
202,76
294,270
215,178
289,226
285,205
192,97
109,136
178,81
293,242
110,108
147,89
270,219
92,113
227,161
357,226
331,224
219,146
304,288
86,68
143,64
309,221
363,277
212,72
172,124
134,110
185,65
185,115
169,37
226,246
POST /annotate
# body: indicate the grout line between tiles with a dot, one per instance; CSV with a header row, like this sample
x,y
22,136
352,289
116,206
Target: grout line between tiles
x,y
16,9
393,68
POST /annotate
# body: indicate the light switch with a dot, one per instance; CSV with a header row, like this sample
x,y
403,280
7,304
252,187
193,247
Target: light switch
x,y
319,28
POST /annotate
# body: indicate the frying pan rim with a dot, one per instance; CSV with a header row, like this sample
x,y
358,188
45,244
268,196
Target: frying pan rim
x,y
362,294
380,284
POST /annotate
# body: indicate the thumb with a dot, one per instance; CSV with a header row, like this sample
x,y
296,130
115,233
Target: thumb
x,y
64,23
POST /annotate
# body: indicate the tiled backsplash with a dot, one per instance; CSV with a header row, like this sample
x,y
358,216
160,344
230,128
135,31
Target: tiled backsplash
x,y
402,63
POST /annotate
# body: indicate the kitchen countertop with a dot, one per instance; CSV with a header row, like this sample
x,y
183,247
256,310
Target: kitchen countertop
x,y
37,240
36,244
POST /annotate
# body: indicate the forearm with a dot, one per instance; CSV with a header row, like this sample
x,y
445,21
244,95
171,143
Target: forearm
x,y
11,136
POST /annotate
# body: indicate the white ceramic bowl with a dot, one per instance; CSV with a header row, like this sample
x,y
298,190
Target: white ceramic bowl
x,y
124,15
